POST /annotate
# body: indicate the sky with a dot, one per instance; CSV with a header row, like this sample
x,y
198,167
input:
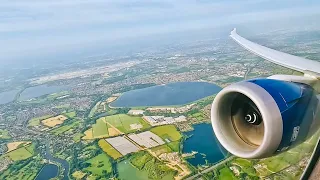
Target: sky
x,y
33,28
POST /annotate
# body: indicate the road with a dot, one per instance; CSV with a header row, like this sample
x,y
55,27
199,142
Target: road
x,y
210,168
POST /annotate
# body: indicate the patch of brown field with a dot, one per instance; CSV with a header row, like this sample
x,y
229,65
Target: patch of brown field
x,y
88,134
111,99
113,132
51,122
78,174
14,145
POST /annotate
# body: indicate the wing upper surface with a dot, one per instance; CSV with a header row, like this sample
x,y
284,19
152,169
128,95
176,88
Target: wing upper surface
x,y
277,57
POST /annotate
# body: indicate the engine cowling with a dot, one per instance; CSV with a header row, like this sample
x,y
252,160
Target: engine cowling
x,y
258,118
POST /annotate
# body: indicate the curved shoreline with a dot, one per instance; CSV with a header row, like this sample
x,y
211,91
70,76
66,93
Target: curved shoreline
x,y
185,92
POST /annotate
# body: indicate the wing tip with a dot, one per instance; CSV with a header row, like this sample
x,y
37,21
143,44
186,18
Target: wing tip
x,y
234,31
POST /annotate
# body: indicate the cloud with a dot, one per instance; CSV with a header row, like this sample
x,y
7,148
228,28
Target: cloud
x,y
27,26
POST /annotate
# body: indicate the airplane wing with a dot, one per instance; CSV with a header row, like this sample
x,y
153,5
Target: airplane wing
x,y
287,60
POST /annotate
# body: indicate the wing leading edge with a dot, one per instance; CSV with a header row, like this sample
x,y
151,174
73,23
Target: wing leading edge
x,y
287,60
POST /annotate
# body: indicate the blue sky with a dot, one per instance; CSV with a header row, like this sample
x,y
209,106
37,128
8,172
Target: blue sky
x,y
44,27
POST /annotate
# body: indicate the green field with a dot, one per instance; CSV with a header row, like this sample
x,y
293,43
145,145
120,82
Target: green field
x,y
77,137
36,121
4,134
161,149
226,174
64,128
70,114
128,172
100,129
123,121
167,132
155,169
107,148
27,171
175,146
99,165
21,153
199,116
245,165
120,121
167,148
275,164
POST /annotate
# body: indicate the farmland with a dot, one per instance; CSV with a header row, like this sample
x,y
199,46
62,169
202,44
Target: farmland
x,y
64,128
88,134
167,132
100,165
77,137
20,153
14,145
107,148
54,121
123,122
100,129
246,166
113,125
154,168
161,149
70,114
36,121
128,172
78,175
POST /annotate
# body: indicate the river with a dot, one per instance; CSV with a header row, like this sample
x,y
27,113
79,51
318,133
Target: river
x,y
49,170
203,141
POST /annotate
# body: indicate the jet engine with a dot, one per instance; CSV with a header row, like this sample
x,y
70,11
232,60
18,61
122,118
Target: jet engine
x,y
261,117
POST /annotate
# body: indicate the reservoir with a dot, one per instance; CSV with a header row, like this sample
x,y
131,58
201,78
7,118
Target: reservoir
x,y
7,96
170,94
47,172
203,141
37,91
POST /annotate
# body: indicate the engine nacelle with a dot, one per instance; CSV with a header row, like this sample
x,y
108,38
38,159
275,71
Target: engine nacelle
x,y
258,118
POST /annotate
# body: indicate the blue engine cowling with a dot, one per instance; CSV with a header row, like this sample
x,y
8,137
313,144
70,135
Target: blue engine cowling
x,y
297,104
287,111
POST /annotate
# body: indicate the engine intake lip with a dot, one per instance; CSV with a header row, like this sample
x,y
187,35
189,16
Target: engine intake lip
x,y
225,131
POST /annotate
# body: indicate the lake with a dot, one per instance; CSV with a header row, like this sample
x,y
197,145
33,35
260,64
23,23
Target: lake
x,y
47,172
37,91
204,142
8,96
164,95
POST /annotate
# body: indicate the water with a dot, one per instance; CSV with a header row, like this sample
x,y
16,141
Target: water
x,y
170,94
63,162
205,143
37,91
47,172
8,96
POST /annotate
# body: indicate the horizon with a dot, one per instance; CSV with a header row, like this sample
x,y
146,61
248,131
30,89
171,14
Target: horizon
x,y
51,30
